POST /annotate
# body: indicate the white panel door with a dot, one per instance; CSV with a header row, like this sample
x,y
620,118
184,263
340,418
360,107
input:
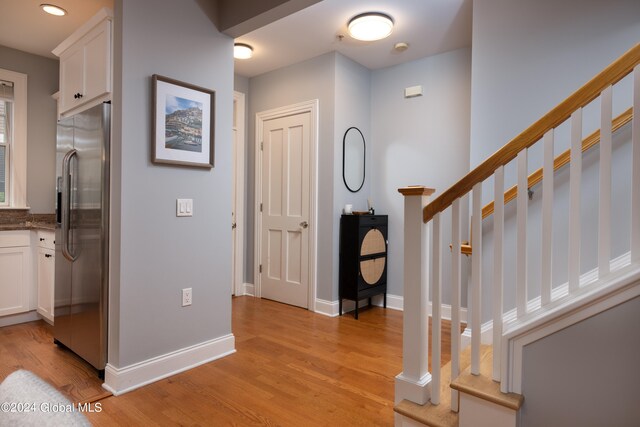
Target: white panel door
x,y
286,207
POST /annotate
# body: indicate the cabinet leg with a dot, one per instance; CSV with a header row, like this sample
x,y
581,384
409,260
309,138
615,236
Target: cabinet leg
x,y
384,304
369,301
340,306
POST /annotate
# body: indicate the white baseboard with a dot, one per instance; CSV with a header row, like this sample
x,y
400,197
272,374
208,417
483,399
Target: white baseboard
x,y
249,289
326,308
123,380
332,308
394,302
486,334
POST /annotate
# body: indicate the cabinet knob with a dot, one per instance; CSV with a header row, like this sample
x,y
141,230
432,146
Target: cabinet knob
x,y
42,239
77,95
304,224
47,255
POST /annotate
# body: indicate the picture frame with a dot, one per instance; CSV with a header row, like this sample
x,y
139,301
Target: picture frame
x,y
183,125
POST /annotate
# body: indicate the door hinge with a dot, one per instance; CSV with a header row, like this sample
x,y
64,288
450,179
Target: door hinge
x,y
261,146
260,268
260,207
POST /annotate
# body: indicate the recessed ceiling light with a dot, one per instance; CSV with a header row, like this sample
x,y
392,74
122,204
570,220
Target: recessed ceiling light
x,y
370,26
53,9
242,51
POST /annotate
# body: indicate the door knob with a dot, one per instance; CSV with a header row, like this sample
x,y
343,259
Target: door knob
x,y
304,224
233,226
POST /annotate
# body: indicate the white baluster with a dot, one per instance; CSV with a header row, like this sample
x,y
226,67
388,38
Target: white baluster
x,y
413,383
547,219
436,304
455,299
635,179
498,236
604,215
575,178
476,278
521,246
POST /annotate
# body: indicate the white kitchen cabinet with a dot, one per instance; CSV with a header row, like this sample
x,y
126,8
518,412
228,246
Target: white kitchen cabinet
x,y
15,279
85,65
45,274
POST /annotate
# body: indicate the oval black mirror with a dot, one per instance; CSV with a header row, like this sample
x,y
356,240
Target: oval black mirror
x,y
353,159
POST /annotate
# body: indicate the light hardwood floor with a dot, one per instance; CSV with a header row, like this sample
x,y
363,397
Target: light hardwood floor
x,y
30,346
292,368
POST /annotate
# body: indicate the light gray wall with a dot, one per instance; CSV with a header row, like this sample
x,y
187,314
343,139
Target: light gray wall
x,y
418,141
587,374
527,57
240,84
42,82
305,81
352,108
154,254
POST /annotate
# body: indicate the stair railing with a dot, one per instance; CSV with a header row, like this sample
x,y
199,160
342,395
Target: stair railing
x,y
416,383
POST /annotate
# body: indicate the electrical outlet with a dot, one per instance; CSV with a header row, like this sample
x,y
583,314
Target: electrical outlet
x,y
187,297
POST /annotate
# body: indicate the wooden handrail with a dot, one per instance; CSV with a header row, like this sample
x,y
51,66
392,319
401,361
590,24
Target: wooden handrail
x,y
583,96
560,161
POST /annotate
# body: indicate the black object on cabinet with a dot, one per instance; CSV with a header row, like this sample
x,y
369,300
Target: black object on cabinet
x,y
363,258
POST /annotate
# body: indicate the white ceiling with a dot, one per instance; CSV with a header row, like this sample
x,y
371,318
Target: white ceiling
x,y
428,26
24,26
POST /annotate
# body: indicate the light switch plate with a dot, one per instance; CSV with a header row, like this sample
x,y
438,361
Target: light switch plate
x,y
184,207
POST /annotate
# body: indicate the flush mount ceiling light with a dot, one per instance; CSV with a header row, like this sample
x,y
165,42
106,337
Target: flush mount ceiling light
x,y
52,9
370,26
242,51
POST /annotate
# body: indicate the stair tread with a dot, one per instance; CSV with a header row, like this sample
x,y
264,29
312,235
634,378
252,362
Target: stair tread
x,y
483,386
439,415
431,415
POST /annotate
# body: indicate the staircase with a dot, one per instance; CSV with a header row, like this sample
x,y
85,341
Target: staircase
x,y
482,385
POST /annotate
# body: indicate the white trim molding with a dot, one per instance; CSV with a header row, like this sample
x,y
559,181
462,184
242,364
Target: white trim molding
x,y
621,287
394,302
326,308
128,378
415,391
249,289
239,124
313,108
17,173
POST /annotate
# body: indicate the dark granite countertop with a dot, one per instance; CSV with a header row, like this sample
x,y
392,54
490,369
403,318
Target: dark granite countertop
x,y
20,219
28,226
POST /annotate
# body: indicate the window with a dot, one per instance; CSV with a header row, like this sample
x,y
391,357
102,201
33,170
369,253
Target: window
x,y
13,139
6,93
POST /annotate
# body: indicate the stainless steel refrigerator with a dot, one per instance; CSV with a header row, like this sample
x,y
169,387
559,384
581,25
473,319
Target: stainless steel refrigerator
x,y
82,230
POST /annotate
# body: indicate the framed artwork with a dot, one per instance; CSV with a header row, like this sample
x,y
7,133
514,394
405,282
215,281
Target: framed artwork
x,y
183,123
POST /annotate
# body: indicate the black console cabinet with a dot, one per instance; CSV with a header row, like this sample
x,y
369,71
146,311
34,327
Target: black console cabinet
x,y
363,258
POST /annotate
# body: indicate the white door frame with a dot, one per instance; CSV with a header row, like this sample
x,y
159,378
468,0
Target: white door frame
x,y
239,168
303,107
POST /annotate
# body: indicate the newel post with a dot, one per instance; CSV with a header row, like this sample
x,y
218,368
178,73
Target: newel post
x,y
414,382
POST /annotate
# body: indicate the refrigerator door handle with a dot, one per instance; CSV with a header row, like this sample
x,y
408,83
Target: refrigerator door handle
x,y
66,205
